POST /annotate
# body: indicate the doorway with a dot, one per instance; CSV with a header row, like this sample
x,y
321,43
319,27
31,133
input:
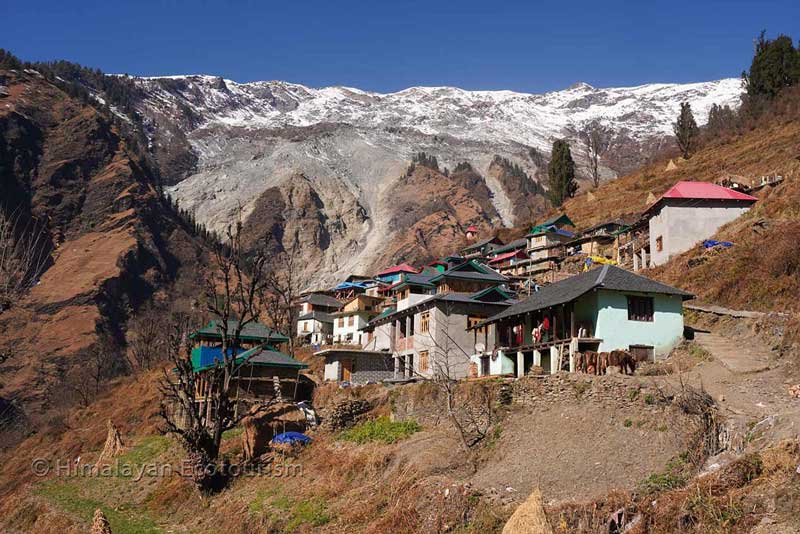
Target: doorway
x,y
347,370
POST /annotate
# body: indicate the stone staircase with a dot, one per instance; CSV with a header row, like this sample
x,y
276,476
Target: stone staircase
x,y
737,357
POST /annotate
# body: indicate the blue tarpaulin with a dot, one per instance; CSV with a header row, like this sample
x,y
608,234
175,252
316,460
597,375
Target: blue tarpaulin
x,y
711,243
291,437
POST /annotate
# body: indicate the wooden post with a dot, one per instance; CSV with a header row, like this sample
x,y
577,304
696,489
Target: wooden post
x,y
572,319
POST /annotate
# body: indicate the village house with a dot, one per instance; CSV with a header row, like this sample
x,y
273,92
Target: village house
x,y
263,373
357,366
315,322
428,330
354,316
633,245
393,274
511,264
353,285
599,240
481,249
688,213
548,239
604,309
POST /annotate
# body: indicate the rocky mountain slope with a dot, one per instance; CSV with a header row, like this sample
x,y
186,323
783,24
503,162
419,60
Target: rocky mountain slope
x,y
114,242
225,145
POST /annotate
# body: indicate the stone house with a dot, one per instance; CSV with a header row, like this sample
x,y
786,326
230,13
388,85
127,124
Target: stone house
x,y
357,366
604,309
688,213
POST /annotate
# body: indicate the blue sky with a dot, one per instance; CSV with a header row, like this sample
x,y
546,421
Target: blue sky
x,y
387,46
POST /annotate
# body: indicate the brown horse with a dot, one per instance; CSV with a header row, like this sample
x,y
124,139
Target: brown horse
x,y
602,363
624,360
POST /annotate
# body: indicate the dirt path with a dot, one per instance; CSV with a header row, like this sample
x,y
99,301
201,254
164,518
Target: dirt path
x,y
748,384
737,356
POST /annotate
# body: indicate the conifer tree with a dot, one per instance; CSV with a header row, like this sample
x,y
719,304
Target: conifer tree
x,y
775,65
561,173
686,130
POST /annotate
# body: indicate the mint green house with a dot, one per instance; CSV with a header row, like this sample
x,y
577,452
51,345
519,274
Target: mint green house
x,y
605,309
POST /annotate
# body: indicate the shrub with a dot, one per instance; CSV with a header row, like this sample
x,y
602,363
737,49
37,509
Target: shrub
x,y
381,429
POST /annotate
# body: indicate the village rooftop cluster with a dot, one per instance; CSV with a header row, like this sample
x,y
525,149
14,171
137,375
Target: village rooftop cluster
x,y
534,305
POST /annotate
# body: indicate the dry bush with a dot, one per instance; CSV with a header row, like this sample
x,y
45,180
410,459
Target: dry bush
x,y
588,517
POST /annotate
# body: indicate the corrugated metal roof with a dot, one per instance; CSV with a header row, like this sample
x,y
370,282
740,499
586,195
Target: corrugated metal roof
x,y
704,190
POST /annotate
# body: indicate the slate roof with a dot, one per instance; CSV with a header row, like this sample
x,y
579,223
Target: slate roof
x,y
605,277
253,331
460,271
317,316
480,244
458,298
514,245
318,299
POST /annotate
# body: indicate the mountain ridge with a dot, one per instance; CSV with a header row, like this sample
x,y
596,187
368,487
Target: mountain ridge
x,y
222,144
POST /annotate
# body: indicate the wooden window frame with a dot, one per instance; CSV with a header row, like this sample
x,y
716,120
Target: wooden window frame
x,y
641,308
424,363
425,321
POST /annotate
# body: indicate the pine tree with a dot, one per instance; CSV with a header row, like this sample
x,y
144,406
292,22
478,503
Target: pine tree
x,y
561,173
775,65
686,130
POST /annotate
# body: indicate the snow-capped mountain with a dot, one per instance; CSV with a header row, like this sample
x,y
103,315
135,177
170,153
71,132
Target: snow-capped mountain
x,y
225,145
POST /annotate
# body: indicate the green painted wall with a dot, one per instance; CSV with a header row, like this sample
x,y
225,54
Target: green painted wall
x,y
617,332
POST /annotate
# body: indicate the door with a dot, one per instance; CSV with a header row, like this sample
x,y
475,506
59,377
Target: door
x,y
485,365
347,370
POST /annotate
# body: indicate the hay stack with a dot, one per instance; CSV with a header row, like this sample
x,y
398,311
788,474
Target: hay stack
x,y
100,524
112,448
529,517
263,423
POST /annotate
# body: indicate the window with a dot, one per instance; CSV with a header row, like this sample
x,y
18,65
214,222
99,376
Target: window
x,y
659,243
305,326
640,308
423,361
351,320
472,321
341,322
424,321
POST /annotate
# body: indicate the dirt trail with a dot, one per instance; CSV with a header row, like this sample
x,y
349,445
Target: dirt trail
x,y
738,357
749,384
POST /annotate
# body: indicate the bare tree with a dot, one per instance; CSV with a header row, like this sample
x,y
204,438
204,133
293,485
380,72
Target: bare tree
x,y
146,338
231,294
596,141
24,253
471,415
97,364
280,291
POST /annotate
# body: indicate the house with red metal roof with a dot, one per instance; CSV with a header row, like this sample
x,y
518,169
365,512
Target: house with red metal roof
x,y
688,213
394,274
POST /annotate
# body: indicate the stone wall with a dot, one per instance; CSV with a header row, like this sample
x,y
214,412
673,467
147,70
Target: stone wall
x,y
571,387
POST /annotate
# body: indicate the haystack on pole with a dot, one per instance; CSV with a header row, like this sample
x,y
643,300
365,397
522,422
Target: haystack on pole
x,y
100,524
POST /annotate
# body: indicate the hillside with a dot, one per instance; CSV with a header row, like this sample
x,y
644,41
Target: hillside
x,y
760,271
115,244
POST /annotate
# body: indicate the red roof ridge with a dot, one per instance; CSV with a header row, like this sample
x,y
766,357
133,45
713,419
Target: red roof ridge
x,y
704,190
403,267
